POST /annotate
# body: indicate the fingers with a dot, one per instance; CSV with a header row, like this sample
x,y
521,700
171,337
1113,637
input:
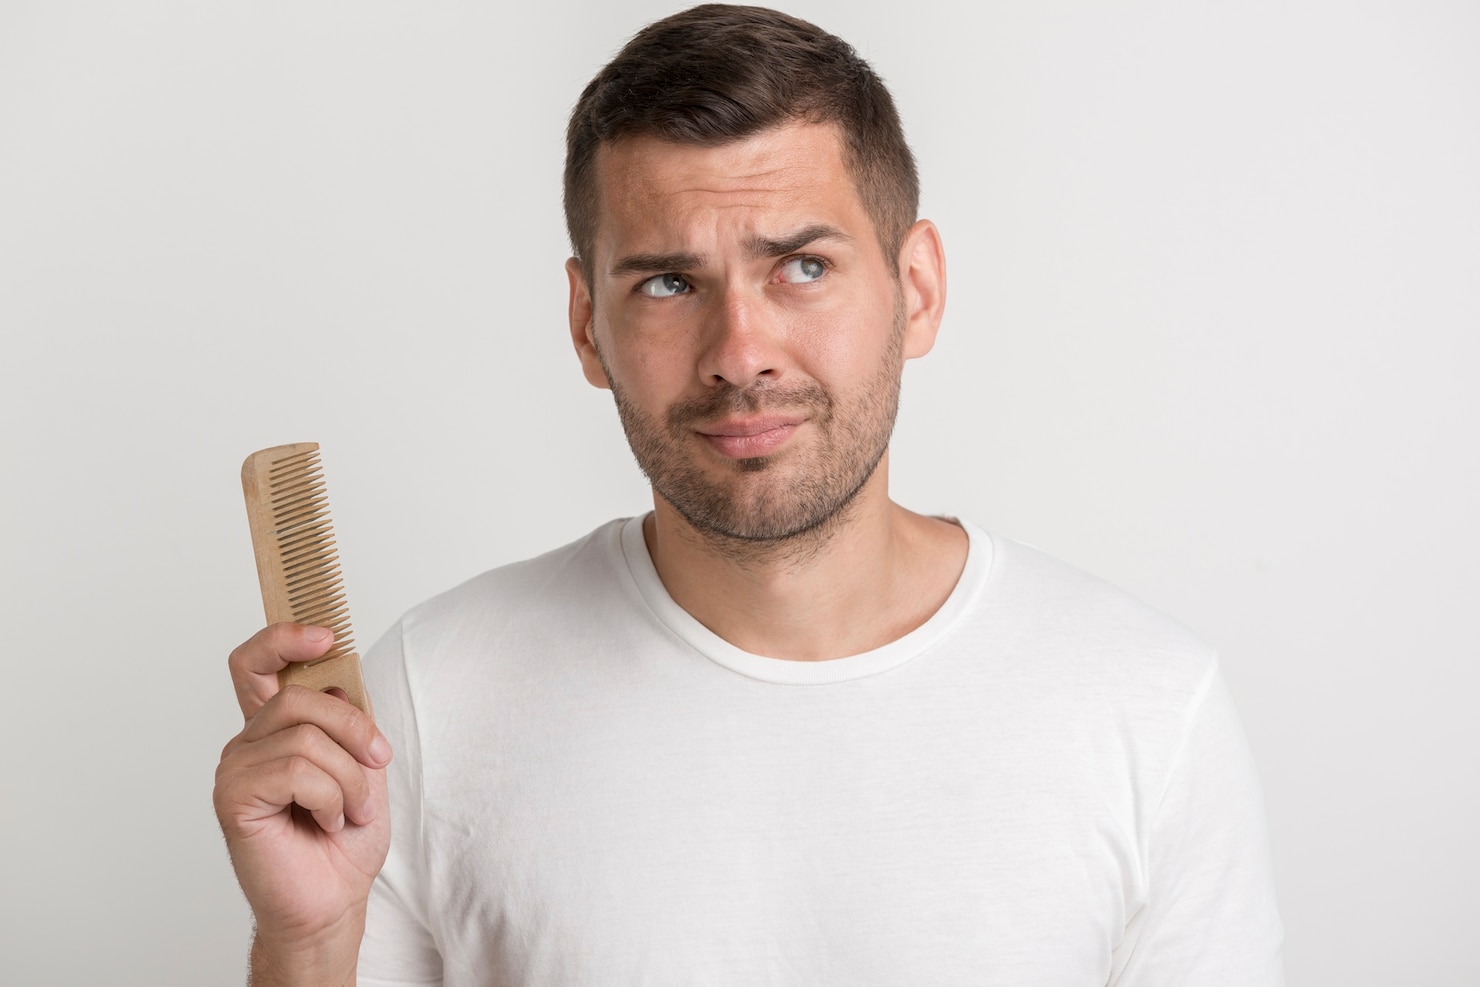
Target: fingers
x,y
339,722
302,747
255,663
298,746
298,765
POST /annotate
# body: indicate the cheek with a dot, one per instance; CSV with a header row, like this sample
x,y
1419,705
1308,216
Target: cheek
x,y
653,367
844,346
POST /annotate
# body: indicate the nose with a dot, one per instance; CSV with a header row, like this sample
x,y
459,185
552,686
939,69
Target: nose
x,y
741,343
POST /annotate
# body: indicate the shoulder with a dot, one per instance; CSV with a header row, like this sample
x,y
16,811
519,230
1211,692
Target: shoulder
x,y
1048,619
1119,691
546,580
1056,594
492,613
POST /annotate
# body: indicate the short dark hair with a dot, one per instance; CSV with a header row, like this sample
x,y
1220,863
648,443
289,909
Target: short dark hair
x,y
716,73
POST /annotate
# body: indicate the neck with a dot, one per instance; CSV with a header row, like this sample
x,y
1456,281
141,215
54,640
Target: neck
x,y
868,576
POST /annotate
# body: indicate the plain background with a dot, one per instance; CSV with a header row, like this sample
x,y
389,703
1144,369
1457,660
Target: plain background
x,y
1212,335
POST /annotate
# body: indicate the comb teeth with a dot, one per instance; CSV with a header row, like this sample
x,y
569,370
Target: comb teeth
x,y
301,524
297,565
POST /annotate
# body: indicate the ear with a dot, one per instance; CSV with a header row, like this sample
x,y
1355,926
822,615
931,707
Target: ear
x,y
922,279
583,325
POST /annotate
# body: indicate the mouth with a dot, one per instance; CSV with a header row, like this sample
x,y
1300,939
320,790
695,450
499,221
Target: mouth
x,y
749,438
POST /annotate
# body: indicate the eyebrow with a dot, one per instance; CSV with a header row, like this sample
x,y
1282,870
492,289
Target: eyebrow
x,y
655,264
757,246
762,246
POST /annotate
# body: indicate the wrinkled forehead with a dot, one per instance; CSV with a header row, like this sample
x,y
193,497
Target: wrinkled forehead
x,y
649,187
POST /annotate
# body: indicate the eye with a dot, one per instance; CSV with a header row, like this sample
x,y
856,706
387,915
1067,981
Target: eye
x,y
801,270
666,286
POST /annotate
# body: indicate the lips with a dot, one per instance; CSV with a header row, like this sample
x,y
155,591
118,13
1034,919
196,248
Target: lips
x,y
749,438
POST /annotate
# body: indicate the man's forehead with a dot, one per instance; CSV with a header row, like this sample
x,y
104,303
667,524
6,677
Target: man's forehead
x,y
645,184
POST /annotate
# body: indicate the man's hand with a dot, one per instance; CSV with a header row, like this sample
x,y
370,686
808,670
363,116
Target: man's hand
x,y
301,797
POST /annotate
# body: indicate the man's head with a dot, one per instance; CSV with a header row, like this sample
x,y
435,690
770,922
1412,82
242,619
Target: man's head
x,y
716,74
750,277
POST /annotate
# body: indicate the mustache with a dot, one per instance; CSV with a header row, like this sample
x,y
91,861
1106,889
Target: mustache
x,y
728,400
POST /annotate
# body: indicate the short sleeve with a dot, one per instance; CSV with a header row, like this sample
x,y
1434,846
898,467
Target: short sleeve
x,y
1211,918
399,949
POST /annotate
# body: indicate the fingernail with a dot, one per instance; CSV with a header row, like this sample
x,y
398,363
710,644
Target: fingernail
x,y
367,812
316,634
380,749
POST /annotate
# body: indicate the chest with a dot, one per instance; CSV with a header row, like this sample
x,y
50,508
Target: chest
x,y
712,839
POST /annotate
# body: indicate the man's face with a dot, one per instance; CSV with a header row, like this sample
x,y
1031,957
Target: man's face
x,y
750,327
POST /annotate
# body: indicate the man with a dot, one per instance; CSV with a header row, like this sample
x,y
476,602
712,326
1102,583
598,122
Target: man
x,y
780,730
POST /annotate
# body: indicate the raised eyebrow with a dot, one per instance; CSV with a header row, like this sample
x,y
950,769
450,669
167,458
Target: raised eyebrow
x,y
764,246
655,264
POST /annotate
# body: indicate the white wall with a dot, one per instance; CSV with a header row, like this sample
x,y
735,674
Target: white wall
x,y
1212,334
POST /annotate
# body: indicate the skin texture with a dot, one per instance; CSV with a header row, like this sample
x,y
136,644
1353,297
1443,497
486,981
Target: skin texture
x,y
753,333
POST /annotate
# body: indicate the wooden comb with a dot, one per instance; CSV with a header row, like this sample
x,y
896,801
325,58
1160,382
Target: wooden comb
x,y
297,565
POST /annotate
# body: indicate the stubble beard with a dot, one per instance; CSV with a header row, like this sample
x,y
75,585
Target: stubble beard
x,y
748,515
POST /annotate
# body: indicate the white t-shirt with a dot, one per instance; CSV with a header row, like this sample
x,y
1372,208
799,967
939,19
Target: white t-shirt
x,y
1046,783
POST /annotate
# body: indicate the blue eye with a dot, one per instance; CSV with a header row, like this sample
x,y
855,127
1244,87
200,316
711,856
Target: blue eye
x,y
666,286
800,270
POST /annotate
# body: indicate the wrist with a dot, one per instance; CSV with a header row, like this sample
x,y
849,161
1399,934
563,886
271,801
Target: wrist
x,y
326,959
